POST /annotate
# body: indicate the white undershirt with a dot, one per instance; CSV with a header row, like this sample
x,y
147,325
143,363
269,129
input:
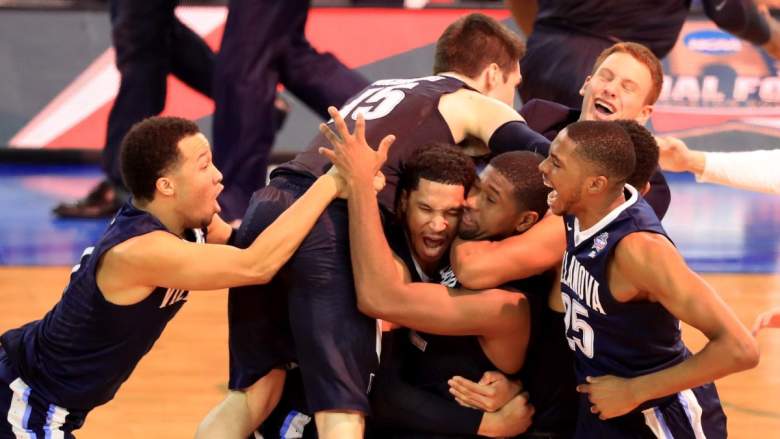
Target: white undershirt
x,y
752,170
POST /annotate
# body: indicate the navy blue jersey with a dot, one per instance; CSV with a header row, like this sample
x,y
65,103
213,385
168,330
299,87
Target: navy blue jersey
x,y
407,108
609,337
82,350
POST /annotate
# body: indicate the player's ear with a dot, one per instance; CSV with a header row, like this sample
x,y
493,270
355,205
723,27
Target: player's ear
x,y
584,85
525,221
165,186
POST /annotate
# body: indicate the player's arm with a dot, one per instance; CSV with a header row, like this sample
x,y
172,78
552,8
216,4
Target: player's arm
x,y
162,259
486,264
472,114
746,20
383,292
219,232
750,170
651,264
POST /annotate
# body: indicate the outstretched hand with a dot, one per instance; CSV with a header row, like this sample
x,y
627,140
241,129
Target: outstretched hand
x,y
767,319
356,161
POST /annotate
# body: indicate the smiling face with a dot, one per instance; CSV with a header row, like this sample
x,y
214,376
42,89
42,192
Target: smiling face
x,y
618,89
565,174
431,214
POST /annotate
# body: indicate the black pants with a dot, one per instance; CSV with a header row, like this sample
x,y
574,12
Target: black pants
x,y
150,42
263,45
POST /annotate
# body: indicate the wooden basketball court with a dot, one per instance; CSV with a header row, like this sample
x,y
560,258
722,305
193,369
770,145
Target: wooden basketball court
x,y
185,374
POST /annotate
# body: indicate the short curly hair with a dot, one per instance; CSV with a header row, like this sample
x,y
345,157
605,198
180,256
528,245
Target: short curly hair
x,y
646,151
149,149
606,145
521,169
439,163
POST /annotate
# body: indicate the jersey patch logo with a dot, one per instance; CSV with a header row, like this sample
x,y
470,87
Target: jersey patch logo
x,y
448,278
599,244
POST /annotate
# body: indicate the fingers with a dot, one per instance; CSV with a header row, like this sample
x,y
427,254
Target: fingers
x,y
465,404
384,146
491,376
338,121
329,153
332,137
467,386
360,128
470,400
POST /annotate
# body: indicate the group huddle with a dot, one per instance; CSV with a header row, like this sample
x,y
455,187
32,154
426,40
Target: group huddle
x,y
516,262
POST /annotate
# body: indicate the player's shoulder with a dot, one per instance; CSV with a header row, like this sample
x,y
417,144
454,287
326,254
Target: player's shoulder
x,y
641,246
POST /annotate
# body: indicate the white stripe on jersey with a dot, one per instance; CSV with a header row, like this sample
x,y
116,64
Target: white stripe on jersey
x,y
693,410
19,412
55,419
655,421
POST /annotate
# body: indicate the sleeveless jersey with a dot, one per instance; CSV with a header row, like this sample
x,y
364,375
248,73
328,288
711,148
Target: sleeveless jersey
x,y
82,350
407,108
609,337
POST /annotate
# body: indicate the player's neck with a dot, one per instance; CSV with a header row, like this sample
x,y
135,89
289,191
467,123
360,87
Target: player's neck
x,y
471,82
595,209
165,214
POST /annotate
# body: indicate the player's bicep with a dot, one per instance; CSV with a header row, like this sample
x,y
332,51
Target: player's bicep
x,y
654,266
160,259
447,311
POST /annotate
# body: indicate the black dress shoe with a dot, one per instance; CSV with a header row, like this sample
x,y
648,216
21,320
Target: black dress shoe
x,y
101,202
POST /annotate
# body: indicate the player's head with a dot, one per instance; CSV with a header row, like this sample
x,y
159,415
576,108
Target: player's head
x,y
167,159
588,160
507,199
625,83
484,50
431,190
646,152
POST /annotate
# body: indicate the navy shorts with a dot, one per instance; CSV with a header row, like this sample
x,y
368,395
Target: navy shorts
x,y
690,414
25,414
308,314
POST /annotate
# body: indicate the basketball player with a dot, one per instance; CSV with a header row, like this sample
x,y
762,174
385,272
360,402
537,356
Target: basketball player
x,y
625,83
452,331
476,71
555,399
624,287
132,282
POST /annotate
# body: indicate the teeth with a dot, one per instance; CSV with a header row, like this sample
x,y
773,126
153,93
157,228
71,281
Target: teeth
x,y
604,107
551,197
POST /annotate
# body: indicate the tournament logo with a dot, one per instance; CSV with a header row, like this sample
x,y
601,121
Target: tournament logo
x,y
716,83
599,244
712,42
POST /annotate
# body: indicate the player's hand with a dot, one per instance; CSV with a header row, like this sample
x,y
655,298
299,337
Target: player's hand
x,y
767,319
609,395
353,157
512,419
491,393
343,187
674,155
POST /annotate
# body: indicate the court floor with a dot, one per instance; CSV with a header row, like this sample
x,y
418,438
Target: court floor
x,y
729,236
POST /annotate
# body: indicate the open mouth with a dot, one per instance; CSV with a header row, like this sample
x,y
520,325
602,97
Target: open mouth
x,y
553,195
604,108
433,243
